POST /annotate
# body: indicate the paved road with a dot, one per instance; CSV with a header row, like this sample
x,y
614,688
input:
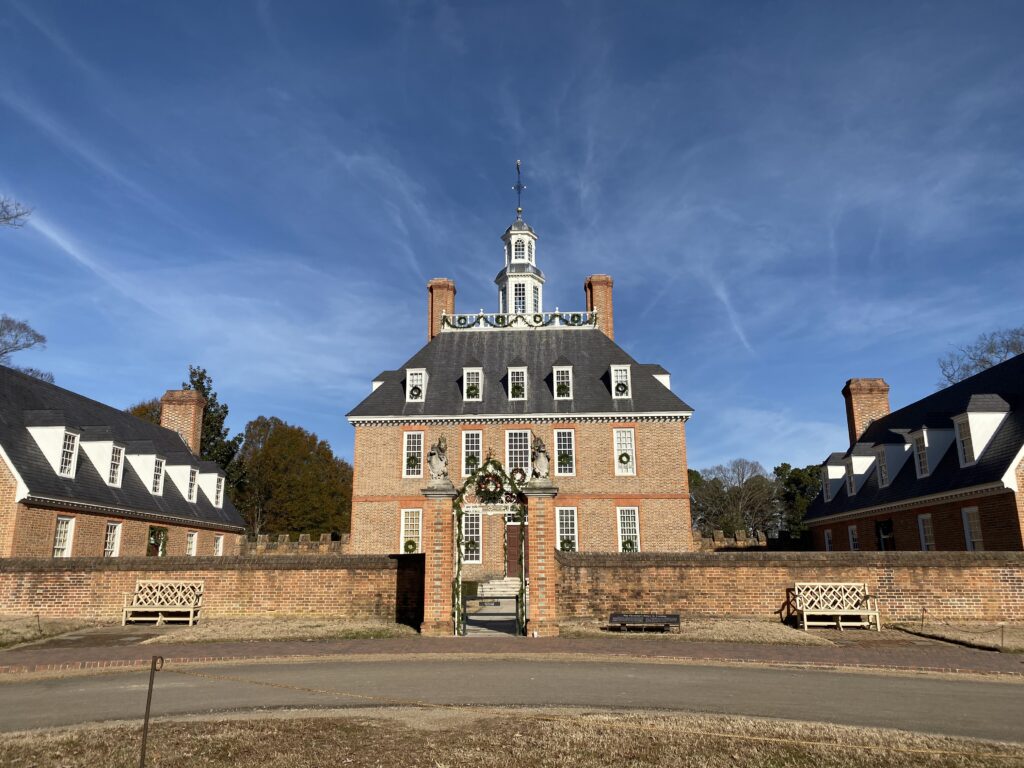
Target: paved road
x,y
964,707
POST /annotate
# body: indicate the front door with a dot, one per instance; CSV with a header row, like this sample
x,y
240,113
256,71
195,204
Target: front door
x,y
514,533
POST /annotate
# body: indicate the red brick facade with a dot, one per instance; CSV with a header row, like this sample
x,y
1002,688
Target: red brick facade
x,y
866,401
598,292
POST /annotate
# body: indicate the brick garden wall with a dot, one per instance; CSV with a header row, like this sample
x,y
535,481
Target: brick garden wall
x,y
376,587
974,586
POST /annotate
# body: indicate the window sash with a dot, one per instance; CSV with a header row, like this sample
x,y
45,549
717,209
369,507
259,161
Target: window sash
x,y
68,452
519,250
112,540
625,443
218,545
470,377
567,527
536,298
415,379
517,377
629,526
218,495
926,532
966,443
193,477
565,448
413,447
519,298
826,484
854,537
921,456
972,529
620,375
883,468
116,465
412,529
517,450
191,543
472,445
828,539
158,477
471,530
851,481
63,535
563,376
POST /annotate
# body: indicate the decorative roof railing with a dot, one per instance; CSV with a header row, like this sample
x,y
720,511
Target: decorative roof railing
x,y
485,321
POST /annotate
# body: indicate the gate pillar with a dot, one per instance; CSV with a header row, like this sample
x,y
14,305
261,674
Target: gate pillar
x,y
439,568
542,534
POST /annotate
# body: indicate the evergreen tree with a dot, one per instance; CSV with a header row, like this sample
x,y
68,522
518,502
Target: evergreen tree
x,y
216,446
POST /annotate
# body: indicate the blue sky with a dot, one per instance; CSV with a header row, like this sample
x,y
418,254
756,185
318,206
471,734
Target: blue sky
x,y
787,194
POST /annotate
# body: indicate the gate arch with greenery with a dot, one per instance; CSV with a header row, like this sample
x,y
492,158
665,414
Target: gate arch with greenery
x,y
489,485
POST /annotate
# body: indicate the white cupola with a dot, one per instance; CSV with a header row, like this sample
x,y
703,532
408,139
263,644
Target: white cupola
x,y
520,282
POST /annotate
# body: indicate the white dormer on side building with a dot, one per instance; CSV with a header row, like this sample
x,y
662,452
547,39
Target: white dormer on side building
x,y
108,456
415,385
857,466
929,444
889,460
149,467
976,426
59,445
833,474
212,484
185,478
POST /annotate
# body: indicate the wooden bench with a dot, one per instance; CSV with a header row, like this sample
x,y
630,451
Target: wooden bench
x,y
163,602
643,621
834,601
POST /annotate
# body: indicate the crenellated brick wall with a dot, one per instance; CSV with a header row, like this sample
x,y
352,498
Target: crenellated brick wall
x,y
284,544
961,586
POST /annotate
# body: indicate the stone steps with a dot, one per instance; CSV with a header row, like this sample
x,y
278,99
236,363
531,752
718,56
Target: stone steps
x,y
507,587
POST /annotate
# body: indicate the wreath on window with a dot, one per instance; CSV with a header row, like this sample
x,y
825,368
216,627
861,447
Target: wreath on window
x,y
621,388
628,545
625,458
472,461
416,392
567,544
563,390
576,318
413,462
462,321
564,460
499,320
473,391
538,318
470,547
410,546
517,391
518,475
489,488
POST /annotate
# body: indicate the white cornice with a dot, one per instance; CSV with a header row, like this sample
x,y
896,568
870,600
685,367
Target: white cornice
x,y
936,498
521,417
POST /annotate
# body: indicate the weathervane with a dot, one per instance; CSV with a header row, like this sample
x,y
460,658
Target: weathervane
x,y
519,187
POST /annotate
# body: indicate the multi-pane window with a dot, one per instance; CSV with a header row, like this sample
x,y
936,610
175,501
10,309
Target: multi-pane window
x,y
517,450
156,545
517,384
112,540
218,493
625,454
520,249
563,383
471,539
536,298
193,477
927,532
503,300
972,529
413,463
567,540
826,484
218,545
529,251
629,529
851,480
116,465
519,298
62,536
472,384
158,477
565,452
472,444
191,542
851,532
412,523
68,453
883,468
921,455
415,386
965,443
828,539
620,381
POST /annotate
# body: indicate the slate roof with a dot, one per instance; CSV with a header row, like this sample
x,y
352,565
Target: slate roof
x,y
588,350
999,389
26,401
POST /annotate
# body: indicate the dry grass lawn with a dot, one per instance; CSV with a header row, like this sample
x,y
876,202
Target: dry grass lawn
x,y
709,630
992,636
24,629
446,738
280,628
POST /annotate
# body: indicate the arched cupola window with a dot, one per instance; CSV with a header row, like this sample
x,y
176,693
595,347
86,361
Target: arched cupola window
x,y
520,249
529,252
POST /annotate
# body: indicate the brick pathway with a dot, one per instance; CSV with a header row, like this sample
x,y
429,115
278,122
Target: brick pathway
x,y
868,653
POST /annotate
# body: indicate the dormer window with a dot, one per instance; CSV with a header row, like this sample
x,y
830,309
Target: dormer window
x,y
826,484
415,385
851,480
520,249
921,455
883,468
621,384
517,384
472,384
218,493
157,487
116,466
563,382
68,455
193,477
964,443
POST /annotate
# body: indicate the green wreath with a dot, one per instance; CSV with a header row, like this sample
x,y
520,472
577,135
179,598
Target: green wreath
x,y
628,545
518,475
625,458
564,390
621,388
517,391
567,544
410,546
564,460
412,462
416,392
472,391
489,488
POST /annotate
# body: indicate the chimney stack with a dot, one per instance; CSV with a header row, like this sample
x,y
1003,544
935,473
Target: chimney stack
x,y
440,300
182,411
598,290
866,401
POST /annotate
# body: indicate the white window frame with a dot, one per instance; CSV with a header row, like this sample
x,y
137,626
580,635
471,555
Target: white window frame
x,y
509,465
567,527
525,382
406,453
921,465
516,288
853,537
112,539
68,455
479,435
926,532
519,249
826,484
536,298
191,543
469,520
116,472
636,521
974,543
479,374
218,492
568,436
964,441
615,372
829,546
65,541
882,461
619,447
218,545
529,251
159,472
851,479
415,377
193,484
417,516
567,371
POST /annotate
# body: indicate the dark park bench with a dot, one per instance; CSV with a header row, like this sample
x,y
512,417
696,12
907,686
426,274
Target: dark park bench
x,y
663,622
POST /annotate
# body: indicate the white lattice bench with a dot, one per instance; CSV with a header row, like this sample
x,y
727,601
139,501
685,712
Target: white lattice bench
x,y
835,601
163,602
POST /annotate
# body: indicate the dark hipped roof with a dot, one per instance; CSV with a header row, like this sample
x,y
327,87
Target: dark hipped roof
x,y
26,401
588,350
998,389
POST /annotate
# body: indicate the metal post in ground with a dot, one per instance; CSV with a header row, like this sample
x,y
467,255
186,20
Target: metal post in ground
x,y
155,666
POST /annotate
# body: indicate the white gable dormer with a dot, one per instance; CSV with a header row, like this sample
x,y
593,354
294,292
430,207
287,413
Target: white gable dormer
x,y
212,484
59,445
108,456
186,479
832,476
975,428
857,466
150,469
889,460
415,385
929,446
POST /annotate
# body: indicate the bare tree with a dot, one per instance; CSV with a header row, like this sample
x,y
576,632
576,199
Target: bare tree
x,y
12,213
987,350
16,336
736,496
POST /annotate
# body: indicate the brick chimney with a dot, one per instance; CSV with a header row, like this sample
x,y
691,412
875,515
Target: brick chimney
x,y
866,401
182,411
440,299
598,290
